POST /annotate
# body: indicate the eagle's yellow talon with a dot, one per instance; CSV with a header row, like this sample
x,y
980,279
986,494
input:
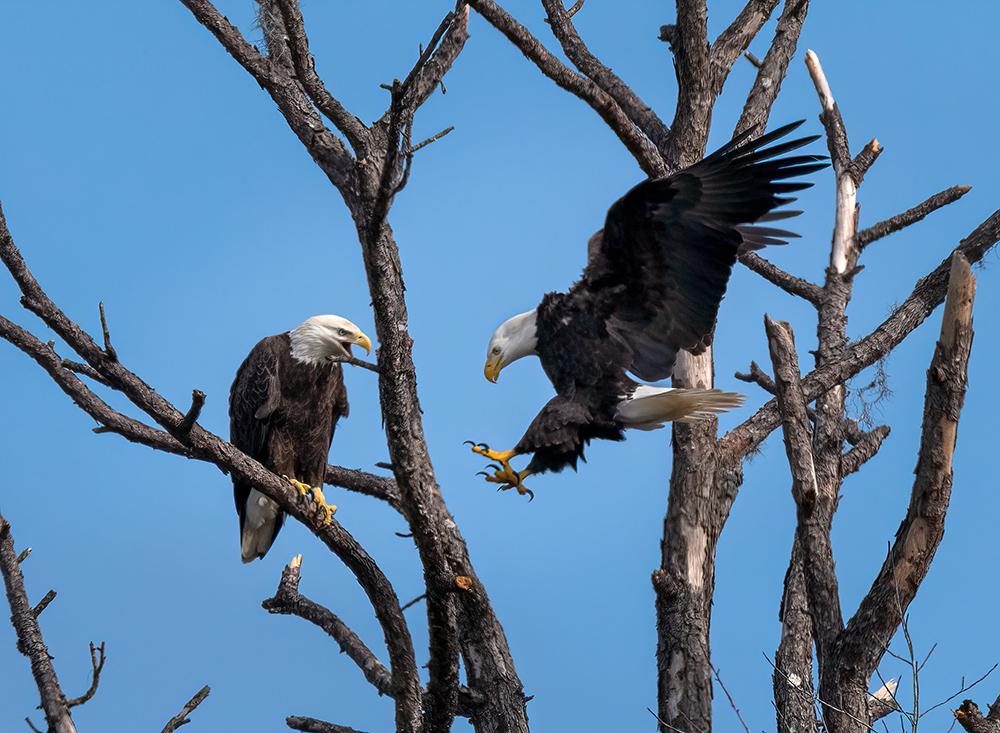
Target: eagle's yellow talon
x,y
303,488
317,495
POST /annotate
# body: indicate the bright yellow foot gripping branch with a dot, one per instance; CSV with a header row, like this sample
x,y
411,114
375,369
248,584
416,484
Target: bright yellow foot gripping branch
x,y
503,473
317,495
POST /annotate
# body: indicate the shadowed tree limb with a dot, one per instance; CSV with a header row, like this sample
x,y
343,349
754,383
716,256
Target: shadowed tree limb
x,y
776,276
864,450
641,147
772,70
736,38
351,127
640,113
312,725
182,717
288,600
814,502
29,637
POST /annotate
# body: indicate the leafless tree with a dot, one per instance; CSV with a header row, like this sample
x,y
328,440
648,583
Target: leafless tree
x,y
369,165
707,468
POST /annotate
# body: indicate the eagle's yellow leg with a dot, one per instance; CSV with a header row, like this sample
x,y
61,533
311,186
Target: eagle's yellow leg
x,y
511,480
317,495
503,474
503,457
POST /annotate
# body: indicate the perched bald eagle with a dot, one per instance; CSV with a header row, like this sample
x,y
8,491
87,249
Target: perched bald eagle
x,y
654,279
283,408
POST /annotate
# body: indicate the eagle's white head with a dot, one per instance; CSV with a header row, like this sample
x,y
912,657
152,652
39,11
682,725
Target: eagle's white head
x,y
317,339
515,338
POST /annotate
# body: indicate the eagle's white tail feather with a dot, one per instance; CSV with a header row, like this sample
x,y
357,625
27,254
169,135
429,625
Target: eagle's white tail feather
x,y
648,408
258,526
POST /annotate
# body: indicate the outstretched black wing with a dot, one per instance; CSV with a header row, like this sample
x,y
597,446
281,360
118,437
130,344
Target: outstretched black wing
x,y
253,399
661,265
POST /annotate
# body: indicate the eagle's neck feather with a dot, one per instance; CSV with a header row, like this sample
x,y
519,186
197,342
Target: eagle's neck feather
x,y
310,345
523,335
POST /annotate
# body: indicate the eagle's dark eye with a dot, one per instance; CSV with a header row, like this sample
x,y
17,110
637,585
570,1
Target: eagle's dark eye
x,y
496,350
342,331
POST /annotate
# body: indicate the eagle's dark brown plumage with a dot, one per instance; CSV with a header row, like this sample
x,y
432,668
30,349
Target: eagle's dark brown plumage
x,y
283,412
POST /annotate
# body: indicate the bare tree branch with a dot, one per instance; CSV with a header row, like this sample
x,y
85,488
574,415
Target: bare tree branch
x,y
641,147
776,276
378,487
910,216
773,68
815,506
182,717
864,450
351,127
640,113
354,361
288,600
736,38
878,616
792,677
97,660
971,719
312,725
927,294
44,603
109,350
327,149
183,429
29,637
864,160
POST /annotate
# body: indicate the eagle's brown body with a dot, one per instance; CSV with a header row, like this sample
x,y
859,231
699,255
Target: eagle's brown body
x,y
283,413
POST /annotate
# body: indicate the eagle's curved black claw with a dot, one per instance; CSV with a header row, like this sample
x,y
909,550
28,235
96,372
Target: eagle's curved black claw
x,y
484,446
494,466
530,493
468,442
482,473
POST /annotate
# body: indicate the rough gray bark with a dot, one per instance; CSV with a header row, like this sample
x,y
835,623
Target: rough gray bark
x,y
29,638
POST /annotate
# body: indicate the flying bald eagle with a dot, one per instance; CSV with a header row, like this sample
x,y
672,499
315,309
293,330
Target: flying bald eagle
x,y
283,408
654,279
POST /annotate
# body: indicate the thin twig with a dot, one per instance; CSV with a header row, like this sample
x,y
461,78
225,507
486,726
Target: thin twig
x,y
97,660
108,348
432,139
732,703
354,361
415,601
964,688
84,369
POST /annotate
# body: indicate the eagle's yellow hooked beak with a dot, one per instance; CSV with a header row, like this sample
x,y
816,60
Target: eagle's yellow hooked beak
x,y
492,369
364,342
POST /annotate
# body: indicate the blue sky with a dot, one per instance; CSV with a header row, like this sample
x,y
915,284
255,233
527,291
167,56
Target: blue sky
x,y
142,167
